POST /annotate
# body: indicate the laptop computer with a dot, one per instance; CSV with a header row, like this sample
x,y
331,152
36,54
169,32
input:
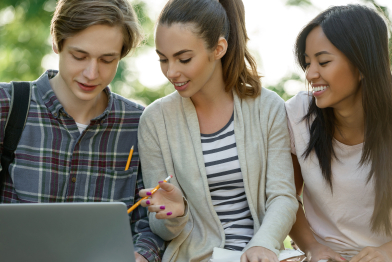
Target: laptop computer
x,y
65,232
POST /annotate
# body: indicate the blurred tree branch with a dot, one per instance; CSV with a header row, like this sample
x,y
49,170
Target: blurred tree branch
x,y
301,3
279,87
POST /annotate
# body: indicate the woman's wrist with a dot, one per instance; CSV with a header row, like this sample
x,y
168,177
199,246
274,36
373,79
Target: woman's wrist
x,y
311,244
305,241
185,207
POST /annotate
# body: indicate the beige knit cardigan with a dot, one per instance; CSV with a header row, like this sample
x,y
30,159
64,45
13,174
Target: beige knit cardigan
x,y
170,144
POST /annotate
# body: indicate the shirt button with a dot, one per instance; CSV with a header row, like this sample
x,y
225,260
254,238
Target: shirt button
x,y
74,179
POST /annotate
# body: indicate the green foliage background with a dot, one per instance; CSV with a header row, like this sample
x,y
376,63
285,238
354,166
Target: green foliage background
x,y
26,40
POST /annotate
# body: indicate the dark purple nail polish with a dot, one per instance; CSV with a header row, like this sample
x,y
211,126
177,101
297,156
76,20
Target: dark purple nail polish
x,y
160,182
148,202
148,193
169,214
162,207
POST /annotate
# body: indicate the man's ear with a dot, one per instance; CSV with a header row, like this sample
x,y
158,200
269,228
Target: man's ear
x,y
54,47
221,48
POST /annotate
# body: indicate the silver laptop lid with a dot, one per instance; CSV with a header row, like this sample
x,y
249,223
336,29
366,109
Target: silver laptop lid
x,y
65,232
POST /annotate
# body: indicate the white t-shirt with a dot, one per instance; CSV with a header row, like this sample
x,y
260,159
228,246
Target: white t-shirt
x,y
340,220
81,127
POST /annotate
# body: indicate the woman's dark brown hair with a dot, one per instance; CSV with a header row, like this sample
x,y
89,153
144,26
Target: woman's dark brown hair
x,y
212,19
361,34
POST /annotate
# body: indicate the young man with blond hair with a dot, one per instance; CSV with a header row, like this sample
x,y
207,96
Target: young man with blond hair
x,y
78,134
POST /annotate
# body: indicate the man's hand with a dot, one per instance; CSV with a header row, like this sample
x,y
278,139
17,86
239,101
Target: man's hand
x,y
259,254
139,258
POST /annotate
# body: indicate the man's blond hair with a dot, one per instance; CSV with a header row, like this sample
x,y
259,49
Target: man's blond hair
x,y
73,16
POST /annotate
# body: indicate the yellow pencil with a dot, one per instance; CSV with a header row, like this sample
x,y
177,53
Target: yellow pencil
x,y
152,192
129,159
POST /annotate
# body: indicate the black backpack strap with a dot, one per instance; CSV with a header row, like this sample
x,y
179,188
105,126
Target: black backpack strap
x,y
17,116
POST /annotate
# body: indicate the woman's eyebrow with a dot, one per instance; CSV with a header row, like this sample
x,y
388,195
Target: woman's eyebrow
x,y
322,53
176,54
159,53
319,53
181,52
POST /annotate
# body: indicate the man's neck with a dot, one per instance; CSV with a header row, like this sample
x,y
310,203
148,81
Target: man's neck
x,y
80,110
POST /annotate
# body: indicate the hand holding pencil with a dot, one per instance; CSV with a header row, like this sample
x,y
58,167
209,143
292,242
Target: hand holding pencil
x,y
148,194
167,201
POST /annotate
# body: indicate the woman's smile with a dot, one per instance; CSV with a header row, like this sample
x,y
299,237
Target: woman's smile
x,y
179,86
319,89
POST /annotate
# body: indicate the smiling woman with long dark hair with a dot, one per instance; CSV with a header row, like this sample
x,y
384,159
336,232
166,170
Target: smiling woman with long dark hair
x,y
341,136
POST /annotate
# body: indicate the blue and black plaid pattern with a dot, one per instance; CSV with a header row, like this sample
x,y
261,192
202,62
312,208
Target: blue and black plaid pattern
x,y
54,162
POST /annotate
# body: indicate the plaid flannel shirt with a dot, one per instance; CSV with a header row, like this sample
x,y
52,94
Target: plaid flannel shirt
x,y
54,162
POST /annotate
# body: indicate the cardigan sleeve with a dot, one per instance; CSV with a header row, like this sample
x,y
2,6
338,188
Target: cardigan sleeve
x,y
281,205
156,160
292,139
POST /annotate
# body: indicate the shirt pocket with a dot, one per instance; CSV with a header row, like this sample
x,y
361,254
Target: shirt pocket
x,y
112,185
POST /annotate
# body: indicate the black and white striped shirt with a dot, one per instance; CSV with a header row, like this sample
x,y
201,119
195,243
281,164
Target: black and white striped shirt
x,y
227,187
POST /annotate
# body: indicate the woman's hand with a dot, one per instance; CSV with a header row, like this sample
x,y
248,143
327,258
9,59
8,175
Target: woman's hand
x,y
139,258
166,202
375,254
259,254
317,251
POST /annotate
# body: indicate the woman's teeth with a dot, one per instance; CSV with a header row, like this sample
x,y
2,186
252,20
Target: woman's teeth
x,y
180,84
319,88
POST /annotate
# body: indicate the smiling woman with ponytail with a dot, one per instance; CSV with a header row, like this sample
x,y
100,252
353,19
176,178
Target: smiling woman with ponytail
x,y
222,136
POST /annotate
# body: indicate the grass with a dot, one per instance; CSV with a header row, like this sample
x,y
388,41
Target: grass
x,y
287,244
